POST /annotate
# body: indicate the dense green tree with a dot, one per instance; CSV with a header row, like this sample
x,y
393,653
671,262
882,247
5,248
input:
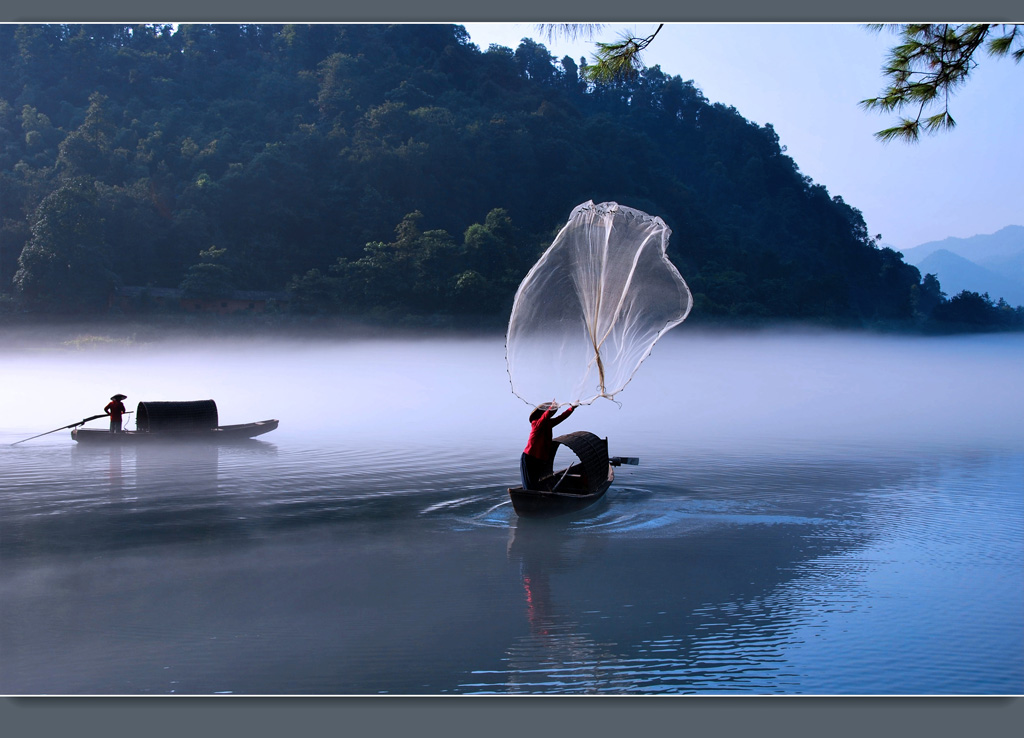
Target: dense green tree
x,y
210,277
129,149
315,293
972,311
926,296
969,308
409,275
67,263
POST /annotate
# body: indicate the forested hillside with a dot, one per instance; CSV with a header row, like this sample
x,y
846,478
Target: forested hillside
x,y
393,171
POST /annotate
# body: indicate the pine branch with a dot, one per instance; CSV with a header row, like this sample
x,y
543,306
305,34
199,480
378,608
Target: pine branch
x,y
907,130
928,64
620,59
569,31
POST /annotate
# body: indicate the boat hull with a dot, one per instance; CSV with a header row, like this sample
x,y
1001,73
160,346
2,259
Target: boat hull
x,y
220,434
530,503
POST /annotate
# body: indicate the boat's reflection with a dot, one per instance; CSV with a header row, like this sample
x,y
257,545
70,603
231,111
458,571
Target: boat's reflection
x,y
114,471
161,493
557,655
180,467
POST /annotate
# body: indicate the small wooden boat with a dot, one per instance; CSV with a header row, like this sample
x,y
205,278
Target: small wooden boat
x,y
192,421
574,488
220,434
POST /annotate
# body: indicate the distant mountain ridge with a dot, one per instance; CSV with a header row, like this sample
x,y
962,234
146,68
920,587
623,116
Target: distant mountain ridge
x,y
1004,242
956,274
992,263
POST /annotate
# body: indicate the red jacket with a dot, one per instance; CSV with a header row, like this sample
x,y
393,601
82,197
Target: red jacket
x,y
115,408
541,445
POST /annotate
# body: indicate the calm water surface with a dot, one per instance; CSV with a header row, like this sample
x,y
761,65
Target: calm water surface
x,y
812,514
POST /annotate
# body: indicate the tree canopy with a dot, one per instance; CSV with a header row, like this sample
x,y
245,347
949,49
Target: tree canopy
x,y
396,171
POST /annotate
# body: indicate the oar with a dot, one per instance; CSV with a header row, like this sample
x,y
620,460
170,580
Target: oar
x,y
101,415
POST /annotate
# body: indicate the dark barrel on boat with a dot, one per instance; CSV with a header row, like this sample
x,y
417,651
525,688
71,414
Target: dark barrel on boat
x,y
176,416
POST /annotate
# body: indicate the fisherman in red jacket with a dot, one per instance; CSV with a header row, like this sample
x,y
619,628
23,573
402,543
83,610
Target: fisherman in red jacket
x,y
539,454
115,409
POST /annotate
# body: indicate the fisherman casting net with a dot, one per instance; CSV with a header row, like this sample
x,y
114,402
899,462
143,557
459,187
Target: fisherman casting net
x,y
592,307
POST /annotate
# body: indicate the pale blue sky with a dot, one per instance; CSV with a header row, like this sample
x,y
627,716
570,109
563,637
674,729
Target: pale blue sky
x,y
807,79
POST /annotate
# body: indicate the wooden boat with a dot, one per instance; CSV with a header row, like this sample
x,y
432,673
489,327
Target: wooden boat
x,y
192,421
574,488
220,434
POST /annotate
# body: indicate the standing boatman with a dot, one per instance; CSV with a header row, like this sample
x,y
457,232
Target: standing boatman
x,y
115,409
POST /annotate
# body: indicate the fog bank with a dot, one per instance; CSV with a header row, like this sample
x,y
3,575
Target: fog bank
x,y
730,391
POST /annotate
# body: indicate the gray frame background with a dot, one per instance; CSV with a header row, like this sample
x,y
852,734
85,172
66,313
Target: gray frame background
x,y
510,716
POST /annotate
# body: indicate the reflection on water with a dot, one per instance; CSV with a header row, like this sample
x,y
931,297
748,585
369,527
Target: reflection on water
x,y
752,595
687,578
235,571
326,562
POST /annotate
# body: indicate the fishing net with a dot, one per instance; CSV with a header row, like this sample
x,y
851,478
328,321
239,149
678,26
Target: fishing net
x,y
591,309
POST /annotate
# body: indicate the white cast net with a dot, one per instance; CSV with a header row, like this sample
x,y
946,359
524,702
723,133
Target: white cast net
x,y
591,309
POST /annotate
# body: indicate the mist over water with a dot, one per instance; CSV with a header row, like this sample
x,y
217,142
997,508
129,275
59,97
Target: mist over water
x,y
813,513
738,391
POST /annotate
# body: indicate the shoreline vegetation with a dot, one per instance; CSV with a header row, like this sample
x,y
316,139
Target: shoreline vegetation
x,y
355,177
115,332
